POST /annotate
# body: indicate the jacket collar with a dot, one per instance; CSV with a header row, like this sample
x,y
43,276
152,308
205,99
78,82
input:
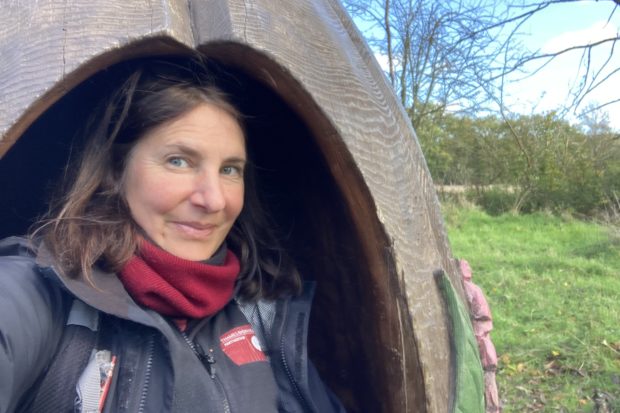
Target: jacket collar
x,y
106,293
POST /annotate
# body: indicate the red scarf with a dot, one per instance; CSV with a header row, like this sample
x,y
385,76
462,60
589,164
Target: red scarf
x,y
176,287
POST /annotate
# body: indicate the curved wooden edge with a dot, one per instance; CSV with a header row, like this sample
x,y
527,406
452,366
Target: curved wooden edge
x,y
394,338
155,46
43,41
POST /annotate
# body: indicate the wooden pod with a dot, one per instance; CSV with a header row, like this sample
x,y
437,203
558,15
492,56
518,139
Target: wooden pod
x,y
343,173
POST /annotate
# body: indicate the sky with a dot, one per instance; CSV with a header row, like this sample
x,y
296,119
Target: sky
x,y
556,28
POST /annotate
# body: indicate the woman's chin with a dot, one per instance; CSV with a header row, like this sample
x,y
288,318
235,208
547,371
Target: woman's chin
x,y
193,254
188,250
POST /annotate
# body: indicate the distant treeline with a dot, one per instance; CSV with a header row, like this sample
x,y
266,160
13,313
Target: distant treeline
x,y
526,163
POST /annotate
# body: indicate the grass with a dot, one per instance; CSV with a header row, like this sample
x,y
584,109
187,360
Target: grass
x,y
553,285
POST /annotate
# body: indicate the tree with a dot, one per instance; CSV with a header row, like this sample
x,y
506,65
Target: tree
x,y
458,54
438,54
556,166
449,61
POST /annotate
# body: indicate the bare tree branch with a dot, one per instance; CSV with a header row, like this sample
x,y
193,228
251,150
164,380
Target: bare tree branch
x,y
554,55
459,54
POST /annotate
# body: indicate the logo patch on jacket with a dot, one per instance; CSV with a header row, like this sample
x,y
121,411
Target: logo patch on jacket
x,y
242,346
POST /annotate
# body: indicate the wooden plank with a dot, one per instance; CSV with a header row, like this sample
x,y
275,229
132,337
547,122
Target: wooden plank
x,y
49,46
316,43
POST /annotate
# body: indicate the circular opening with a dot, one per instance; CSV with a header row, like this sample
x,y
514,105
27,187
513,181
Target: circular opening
x,y
312,189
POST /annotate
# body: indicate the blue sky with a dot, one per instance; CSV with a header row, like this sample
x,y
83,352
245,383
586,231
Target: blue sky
x,y
558,27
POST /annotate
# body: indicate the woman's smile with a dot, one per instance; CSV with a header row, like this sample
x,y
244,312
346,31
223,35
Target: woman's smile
x,y
194,229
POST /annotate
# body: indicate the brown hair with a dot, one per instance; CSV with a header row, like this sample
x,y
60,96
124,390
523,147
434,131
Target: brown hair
x,y
90,224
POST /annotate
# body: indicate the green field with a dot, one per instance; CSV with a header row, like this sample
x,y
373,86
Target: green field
x,y
554,289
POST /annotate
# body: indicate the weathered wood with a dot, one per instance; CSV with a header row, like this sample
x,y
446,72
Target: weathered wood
x,y
310,54
47,47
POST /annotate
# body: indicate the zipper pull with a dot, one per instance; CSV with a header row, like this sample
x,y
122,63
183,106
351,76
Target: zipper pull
x,y
207,360
210,365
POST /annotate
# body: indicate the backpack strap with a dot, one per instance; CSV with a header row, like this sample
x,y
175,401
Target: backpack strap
x,y
56,392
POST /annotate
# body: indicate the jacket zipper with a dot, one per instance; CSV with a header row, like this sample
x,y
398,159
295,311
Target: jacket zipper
x,y
292,380
208,361
304,403
147,374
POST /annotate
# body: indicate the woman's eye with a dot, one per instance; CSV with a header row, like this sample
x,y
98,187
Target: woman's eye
x,y
231,171
178,162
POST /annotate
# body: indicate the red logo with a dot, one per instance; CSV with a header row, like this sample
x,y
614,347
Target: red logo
x,y
241,345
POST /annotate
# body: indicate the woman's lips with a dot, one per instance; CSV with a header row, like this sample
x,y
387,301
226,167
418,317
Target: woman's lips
x,y
195,229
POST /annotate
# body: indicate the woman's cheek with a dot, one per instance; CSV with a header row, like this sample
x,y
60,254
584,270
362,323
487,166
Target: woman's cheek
x,y
161,193
235,200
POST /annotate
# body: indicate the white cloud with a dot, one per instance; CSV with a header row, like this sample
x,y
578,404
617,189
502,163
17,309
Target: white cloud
x,y
383,61
597,32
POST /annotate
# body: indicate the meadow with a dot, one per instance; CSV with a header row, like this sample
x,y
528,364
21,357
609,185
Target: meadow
x,y
553,284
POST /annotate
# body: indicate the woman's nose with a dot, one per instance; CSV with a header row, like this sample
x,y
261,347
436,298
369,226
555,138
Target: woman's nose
x,y
208,193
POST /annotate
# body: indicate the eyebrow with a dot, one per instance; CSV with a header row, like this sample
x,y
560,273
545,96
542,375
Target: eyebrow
x,y
183,148
236,159
194,153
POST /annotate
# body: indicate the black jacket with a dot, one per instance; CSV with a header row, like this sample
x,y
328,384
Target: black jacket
x,y
160,369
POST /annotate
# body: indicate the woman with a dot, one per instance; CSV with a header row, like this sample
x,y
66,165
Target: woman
x,y
158,270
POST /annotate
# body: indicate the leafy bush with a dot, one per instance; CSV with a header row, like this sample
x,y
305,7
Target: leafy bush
x,y
494,201
551,164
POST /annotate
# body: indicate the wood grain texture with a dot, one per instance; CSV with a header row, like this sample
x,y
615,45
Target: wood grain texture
x,y
49,46
319,46
310,53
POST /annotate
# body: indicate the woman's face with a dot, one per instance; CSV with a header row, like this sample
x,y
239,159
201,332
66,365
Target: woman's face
x,y
184,181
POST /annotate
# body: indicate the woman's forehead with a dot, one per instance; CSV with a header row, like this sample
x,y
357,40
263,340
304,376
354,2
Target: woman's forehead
x,y
204,128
